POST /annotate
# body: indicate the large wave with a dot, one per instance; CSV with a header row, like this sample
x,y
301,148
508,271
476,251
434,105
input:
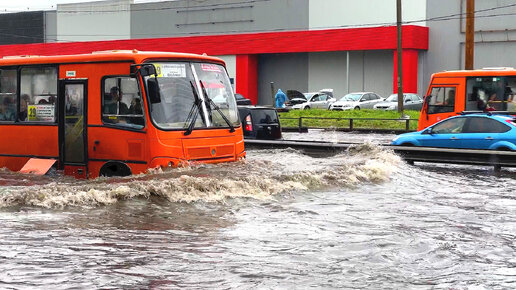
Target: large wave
x,y
264,174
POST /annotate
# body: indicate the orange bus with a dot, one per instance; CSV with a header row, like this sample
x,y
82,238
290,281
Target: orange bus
x,y
452,92
117,113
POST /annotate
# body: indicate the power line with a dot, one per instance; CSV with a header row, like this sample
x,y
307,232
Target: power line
x,y
107,5
211,6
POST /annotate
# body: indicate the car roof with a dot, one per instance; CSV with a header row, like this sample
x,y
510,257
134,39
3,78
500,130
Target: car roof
x,y
486,115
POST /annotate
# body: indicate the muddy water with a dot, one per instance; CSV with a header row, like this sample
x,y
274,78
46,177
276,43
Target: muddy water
x,y
281,219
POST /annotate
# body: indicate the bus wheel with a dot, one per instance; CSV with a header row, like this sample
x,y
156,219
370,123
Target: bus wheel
x,y
114,169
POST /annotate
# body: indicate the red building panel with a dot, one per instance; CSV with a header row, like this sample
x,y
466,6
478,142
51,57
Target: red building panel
x,y
248,45
410,61
371,38
247,76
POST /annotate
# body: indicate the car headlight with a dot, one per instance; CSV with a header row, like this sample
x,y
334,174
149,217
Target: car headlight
x,y
395,139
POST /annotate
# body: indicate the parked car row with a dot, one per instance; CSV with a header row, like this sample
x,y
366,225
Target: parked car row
x,y
324,99
356,101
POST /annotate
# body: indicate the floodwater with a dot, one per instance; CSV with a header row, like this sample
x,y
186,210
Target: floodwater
x,y
280,220
338,136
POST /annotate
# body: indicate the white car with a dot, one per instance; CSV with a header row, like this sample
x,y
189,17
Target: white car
x,y
356,101
318,100
410,102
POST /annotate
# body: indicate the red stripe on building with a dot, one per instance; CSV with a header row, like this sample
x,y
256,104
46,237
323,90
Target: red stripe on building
x,y
371,38
248,45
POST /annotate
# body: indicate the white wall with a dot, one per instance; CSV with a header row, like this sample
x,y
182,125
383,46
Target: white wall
x,y
343,13
230,61
100,20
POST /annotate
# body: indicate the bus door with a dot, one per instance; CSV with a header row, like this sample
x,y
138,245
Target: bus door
x,y
441,102
72,127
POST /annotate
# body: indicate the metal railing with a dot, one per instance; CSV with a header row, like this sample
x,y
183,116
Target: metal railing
x,y
351,122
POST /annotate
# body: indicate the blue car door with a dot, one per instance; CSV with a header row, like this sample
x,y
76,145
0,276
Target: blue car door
x,y
446,134
482,132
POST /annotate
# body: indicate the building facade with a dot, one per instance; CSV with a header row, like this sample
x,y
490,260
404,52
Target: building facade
x,y
305,45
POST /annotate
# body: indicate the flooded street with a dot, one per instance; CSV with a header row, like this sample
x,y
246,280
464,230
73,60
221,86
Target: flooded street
x,y
281,219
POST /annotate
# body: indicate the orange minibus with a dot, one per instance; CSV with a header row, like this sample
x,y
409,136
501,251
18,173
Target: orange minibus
x,y
117,113
483,90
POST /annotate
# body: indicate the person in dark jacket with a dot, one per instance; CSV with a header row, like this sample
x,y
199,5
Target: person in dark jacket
x,y
116,107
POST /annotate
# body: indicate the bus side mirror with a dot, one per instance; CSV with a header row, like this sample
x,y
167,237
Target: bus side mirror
x,y
153,89
143,69
148,70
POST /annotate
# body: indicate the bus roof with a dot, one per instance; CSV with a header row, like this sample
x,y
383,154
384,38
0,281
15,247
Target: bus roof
x,y
495,71
103,56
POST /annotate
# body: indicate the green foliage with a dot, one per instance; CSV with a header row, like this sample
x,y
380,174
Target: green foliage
x,y
291,119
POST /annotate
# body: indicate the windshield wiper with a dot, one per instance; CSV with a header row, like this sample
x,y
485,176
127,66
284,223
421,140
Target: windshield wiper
x,y
212,103
194,111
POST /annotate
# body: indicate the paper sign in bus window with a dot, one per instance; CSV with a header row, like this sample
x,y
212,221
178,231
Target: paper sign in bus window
x,y
171,70
41,113
210,67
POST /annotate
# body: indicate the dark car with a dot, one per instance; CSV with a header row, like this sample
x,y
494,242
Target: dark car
x,y
260,122
241,100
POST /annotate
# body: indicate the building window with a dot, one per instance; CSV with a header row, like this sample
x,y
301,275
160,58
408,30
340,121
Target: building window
x,y
38,95
122,103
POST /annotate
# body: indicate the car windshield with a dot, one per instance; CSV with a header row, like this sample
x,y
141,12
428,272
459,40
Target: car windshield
x,y
308,96
179,90
351,97
393,98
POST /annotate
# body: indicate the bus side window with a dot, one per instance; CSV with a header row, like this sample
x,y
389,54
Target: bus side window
x,y
491,93
122,103
38,91
442,100
8,91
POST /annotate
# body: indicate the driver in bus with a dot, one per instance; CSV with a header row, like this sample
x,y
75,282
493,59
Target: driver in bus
x,y
116,106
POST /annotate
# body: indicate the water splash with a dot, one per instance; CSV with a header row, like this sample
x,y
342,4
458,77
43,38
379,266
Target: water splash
x,y
265,174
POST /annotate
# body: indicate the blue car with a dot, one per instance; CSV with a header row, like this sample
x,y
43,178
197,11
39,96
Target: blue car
x,y
475,131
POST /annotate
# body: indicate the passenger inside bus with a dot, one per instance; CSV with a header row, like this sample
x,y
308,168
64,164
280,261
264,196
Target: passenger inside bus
x,y
24,103
136,109
497,96
7,111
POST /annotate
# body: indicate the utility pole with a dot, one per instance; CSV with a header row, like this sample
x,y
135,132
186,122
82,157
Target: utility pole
x,y
470,34
400,61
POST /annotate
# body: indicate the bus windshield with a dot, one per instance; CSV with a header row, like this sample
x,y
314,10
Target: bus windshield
x,y
189,92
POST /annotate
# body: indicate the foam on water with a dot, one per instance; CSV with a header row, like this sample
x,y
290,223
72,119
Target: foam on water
x,y
264,174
